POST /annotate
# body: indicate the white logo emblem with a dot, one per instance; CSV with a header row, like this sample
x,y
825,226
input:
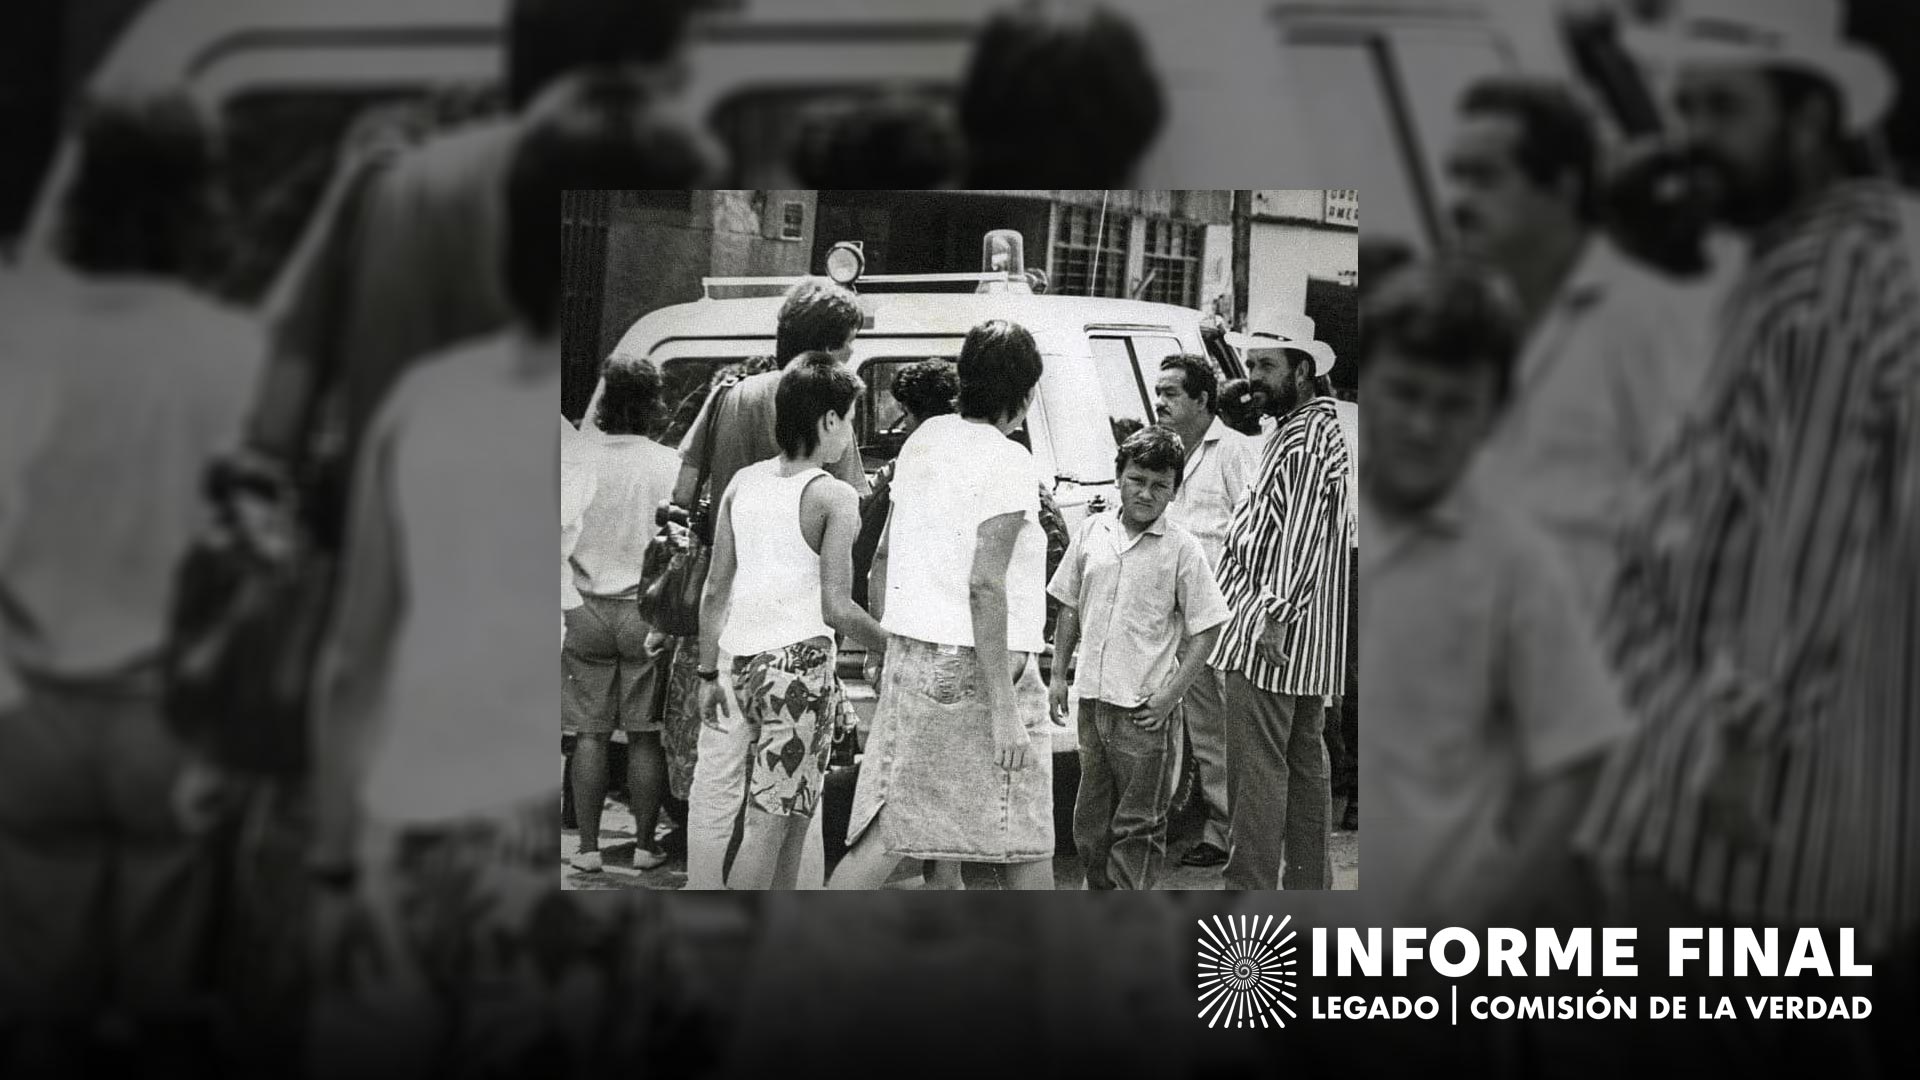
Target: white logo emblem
x,y
1246,971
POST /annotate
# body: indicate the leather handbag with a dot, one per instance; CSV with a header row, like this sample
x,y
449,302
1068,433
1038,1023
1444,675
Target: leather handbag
x,y
251,597
673,575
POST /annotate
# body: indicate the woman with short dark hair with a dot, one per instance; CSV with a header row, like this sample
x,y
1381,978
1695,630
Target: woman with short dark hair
x,y
959,764
780,588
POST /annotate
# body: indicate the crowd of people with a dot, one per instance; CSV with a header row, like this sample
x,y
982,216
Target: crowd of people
x,y
1209,608
1638,584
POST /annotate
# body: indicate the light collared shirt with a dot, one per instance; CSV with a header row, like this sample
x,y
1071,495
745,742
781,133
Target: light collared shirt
x,y
1603,380
1138,595
1214,481
1482,677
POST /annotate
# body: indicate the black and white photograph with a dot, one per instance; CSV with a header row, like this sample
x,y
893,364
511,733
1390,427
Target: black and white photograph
x,y
927,538
1006,541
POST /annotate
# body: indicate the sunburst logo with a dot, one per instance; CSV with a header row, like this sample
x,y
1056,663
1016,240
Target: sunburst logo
x,y
1246,971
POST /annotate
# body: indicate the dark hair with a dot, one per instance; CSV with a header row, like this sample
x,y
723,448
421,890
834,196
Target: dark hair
x,y
594,133
631,399
891,142
814,385
141,199
927,389
1197,377
1556,133
547,39
999,366
1444,314
1157,448
1068,98
1236,407
817,316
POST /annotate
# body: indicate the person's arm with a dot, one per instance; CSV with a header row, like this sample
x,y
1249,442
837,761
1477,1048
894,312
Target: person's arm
x,y
1567,713
1066,638
686,492
840,506
877,577
987,605
1065,587
852,468
715,600
357,651
1195,650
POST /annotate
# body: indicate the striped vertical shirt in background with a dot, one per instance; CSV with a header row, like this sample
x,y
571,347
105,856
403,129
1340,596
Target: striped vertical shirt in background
x,y
1288,559
1768,584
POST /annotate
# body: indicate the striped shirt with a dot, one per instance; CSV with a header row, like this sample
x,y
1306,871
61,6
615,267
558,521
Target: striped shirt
x,y
1767,583
1288,559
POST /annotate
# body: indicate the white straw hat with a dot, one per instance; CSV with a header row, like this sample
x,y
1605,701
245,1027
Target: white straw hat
x,y
1803,35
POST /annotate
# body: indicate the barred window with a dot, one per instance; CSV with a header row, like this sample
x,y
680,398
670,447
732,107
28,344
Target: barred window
x,y
1172,263
1083,248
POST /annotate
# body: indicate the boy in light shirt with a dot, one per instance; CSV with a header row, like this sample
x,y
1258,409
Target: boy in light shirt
x,y
1140,601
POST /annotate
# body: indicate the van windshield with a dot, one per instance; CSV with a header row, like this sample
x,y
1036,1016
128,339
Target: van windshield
x,y
883,420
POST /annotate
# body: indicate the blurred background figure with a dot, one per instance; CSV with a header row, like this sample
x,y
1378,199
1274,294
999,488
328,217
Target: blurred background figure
x,y
1764,611
1609,361
437,809
892,141
419,257
1487,732
1059,94
134,381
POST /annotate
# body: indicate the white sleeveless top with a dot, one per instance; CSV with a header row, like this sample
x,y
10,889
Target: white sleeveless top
x,y
776,581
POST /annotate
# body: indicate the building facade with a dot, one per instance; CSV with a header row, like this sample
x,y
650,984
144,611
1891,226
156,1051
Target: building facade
x,y
1304,256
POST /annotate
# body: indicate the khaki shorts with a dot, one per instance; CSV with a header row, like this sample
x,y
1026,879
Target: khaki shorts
x,y
609,679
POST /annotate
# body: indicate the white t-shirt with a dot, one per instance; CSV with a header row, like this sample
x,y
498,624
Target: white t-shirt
x,y
579,473
634,476
469,668
952,475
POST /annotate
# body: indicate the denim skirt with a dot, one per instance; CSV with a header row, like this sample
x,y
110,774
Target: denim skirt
x,y
930,762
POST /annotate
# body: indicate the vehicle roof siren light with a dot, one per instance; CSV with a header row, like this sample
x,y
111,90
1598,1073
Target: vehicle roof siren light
x,y
1003,251
845,262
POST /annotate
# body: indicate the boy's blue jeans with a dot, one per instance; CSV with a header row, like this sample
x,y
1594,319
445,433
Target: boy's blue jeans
x,y
1126,787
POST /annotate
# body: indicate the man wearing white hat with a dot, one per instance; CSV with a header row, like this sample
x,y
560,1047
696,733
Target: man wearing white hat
x,y
1285,572
1763,616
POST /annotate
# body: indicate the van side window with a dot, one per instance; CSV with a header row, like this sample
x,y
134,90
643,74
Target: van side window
x,y
1148,351
1120,386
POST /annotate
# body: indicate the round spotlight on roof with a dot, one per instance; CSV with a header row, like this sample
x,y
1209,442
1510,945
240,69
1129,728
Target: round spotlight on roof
x,y
845,262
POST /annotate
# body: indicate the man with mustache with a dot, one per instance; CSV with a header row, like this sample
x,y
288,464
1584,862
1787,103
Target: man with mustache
x,y
1218,468
1764,615
1285,572
1609,358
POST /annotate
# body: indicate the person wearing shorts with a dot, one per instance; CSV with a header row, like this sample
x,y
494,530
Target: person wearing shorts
x,y
610,677
779,587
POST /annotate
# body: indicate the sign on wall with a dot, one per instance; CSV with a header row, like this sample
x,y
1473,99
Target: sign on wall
x,y
1342,207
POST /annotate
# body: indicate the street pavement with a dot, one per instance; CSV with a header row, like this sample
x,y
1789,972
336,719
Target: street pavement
x,y
617,846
